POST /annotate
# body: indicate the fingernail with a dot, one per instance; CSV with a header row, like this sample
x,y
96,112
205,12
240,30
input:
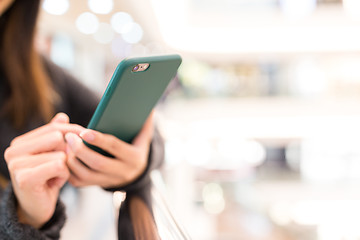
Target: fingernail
x,y
70,140
87,135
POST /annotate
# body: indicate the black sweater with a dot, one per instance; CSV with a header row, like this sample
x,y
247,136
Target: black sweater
x,y
79,103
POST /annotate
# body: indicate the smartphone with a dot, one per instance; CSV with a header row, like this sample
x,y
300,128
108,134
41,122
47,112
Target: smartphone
x,y
133,91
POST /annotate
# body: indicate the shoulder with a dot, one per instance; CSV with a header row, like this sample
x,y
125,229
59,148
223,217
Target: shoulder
x,y
76,100
61,79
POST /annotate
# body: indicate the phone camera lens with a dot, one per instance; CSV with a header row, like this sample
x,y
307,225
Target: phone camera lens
x,y
135,68
141,67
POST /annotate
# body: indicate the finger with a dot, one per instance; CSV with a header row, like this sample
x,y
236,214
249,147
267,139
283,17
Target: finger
x,y
91,158
39,175
80,175
92,178
34,160
107,142
106,182
84,176
76,167
44,143
60,118
54,126
76,182
144,137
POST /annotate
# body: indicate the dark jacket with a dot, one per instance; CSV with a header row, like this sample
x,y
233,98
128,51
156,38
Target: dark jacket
x,y
79,103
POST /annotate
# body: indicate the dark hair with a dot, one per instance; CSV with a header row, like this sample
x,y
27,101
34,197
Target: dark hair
x,y
29,87
142,219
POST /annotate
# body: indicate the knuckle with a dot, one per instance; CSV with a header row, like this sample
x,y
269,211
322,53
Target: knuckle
x,y
21,179
12,166
58,136
14,140
53,137
113,143
77,126
8,154
60,165
61,155
52,126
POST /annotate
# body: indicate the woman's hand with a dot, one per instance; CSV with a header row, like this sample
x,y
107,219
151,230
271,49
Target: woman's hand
x,y
129,162
37,166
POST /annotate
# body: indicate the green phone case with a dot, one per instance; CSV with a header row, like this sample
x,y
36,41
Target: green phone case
x,y
130,96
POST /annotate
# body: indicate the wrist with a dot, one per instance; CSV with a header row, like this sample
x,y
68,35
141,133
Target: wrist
x,y
25,218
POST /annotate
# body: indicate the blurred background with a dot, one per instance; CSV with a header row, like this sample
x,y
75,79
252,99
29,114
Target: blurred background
x,y
262,122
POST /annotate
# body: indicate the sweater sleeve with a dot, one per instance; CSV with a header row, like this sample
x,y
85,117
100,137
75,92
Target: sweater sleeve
x,y
12,229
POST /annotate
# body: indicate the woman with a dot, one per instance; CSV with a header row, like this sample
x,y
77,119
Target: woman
x,y
41,155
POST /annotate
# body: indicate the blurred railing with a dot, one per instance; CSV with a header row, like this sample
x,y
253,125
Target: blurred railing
x,y
168,225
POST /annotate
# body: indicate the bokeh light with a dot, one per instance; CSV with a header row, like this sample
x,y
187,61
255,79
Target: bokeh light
x,y
101,6
56,7
121,22
87,23
214,202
